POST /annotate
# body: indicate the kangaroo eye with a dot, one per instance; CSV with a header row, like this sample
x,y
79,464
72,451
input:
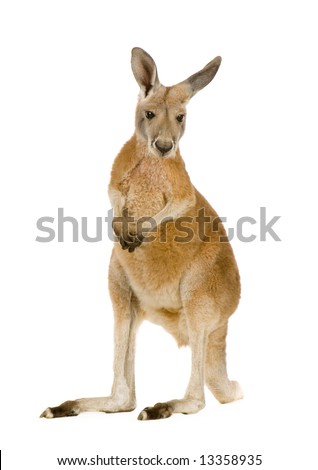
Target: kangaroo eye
x,y
149,115
180,117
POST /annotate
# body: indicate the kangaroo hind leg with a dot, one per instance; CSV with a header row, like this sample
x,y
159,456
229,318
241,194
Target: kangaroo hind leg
x,y
200,321
127,318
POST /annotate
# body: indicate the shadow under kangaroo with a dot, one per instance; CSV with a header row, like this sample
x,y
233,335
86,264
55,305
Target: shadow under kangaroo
x,y
188,285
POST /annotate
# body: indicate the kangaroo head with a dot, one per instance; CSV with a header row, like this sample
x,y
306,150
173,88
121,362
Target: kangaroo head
x,y
161,111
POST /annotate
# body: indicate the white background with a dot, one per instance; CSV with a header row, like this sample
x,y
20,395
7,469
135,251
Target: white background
x,y
67,106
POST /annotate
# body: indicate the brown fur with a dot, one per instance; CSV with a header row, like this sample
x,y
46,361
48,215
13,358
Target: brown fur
x,y
190,287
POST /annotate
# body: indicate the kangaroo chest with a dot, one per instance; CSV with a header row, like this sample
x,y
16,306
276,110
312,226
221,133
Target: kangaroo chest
x,y
145,188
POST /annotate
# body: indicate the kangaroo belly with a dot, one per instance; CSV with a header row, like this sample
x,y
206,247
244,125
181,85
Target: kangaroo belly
x,y
165,298
154,279
162,306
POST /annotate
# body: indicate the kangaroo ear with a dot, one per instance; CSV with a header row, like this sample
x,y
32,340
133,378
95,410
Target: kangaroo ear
x,y
144,70
202,78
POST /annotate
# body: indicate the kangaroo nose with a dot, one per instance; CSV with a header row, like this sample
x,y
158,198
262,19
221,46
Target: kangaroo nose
x,y
164,147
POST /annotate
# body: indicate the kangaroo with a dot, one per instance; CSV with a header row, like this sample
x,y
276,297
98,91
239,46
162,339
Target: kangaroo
x,y
172,263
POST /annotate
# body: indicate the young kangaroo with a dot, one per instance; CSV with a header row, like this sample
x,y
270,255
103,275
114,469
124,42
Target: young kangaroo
x,y
189,284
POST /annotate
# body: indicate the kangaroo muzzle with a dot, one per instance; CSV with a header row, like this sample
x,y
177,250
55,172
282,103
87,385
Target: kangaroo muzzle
x,y
163,146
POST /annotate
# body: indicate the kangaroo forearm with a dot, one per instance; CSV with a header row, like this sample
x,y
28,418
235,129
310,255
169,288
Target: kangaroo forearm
x,y
172,211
